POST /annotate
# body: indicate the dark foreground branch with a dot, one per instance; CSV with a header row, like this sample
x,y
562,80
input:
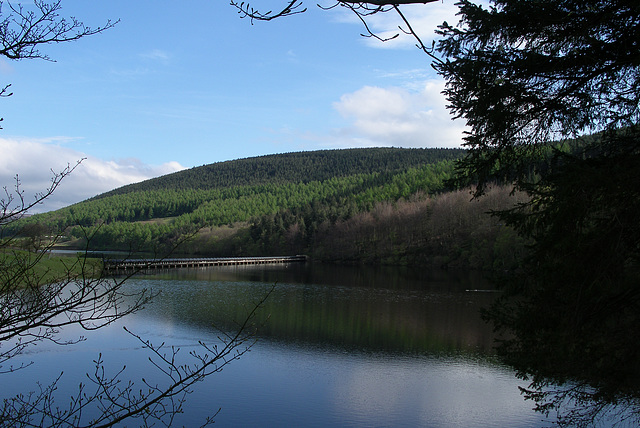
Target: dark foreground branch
x,y
112,399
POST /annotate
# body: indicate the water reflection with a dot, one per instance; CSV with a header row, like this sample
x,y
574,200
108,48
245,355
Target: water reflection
x,y
354,308
284,385
342,346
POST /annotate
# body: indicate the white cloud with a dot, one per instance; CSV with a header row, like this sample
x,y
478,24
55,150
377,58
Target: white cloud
x,y
412,112
33,160
398,117
156,55
129,73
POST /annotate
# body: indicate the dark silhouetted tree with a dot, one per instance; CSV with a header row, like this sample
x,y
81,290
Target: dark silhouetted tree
x,y
532,79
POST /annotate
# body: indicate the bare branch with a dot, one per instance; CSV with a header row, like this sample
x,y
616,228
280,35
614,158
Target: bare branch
x,y
36,303
246,11
294,7
119,400
13,205
419,43
34,307
23,31
362,10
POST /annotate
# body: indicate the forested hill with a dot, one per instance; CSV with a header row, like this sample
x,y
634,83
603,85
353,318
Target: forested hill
x,y
299,167
361,205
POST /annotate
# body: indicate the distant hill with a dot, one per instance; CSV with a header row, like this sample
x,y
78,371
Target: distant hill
x,y
263,205
298,167
381,205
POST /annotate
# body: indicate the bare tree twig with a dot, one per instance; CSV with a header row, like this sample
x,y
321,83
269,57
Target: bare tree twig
x,y
23,31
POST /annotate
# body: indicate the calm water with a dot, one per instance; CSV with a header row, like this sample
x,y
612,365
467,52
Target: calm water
x,y
342,347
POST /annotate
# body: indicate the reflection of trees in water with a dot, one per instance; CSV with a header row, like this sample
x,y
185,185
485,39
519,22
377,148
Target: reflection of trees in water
x,y
576,317
356,307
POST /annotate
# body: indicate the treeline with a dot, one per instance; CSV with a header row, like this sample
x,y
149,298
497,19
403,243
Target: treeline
x,y
445,230
298,167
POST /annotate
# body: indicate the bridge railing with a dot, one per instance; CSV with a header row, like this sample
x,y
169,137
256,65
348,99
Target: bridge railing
x,y
111,265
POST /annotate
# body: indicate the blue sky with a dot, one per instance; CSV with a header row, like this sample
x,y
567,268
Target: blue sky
x,y
177,85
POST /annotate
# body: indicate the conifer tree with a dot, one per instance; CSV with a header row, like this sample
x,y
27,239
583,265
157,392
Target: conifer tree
x,y
551,93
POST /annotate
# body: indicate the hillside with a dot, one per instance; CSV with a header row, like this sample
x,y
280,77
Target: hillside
x,y
357,205
233,191
299,167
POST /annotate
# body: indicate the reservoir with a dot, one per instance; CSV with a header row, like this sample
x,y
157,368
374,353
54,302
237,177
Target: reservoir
x,y
336,346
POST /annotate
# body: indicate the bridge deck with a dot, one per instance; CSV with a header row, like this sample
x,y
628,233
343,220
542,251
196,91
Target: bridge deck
x,y
143,264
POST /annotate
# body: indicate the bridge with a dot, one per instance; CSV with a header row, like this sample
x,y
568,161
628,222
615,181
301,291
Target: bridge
x,y
120,265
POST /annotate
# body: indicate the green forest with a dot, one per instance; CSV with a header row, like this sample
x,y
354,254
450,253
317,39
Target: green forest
x,y
378,205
